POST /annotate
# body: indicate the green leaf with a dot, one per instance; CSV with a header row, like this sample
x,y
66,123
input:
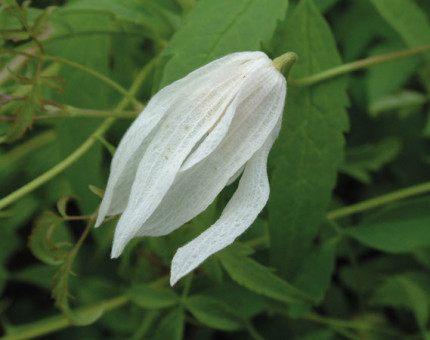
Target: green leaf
x,y
407,19
244,302
46,243
361,160
400,291
171,326
401,228
151,18
150,297
61,294
41,22
258,278
39,275
385,79
308,151
314,276
213,313
92,94
216,28
96,191
25,114
410,22
394,237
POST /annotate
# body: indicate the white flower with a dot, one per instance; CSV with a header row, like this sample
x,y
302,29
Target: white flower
x,y
194,137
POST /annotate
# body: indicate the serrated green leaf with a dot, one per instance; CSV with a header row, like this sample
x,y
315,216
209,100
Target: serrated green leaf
x,y
308,151
223,27
314,276
400,291
151,297
213,313
171,327
46,243
259,278
61,294
360,161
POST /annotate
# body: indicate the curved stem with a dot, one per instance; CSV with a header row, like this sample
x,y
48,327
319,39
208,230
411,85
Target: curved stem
x,y
58,322
357,65
378,201
45,177
73,157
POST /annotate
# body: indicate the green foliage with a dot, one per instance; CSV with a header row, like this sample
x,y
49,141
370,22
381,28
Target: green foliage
x,y
401,229
361,160
309,149
213,313
223,27
342,250
171,326
258,278
152,297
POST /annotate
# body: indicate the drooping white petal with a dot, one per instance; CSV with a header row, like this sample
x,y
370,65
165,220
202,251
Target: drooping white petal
x,y
195,189
136,140
176,137
243,208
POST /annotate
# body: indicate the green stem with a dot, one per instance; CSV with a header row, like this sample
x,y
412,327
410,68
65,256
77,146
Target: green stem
x,y
378,201
58,322
98,75
187,286
357,65
70,111
149,318
60,167
79,152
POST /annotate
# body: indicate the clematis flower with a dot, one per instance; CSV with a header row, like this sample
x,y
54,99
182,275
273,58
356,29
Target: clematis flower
x,y
194,137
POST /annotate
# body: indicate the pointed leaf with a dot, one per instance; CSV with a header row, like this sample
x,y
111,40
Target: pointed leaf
x,y
150,297
213,313
258,278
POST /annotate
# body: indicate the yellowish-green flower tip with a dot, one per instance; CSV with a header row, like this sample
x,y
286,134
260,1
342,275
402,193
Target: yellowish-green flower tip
x,y
284,62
